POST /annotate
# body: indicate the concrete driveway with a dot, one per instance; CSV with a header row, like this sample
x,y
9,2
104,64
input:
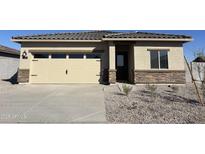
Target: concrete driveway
x,y
72,103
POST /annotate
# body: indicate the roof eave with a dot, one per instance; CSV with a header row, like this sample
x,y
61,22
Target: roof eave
x,y
147,39
103,39
48,40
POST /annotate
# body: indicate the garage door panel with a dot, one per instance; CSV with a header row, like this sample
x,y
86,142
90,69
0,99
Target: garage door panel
x,y
54,71
57,71
38,72
84,71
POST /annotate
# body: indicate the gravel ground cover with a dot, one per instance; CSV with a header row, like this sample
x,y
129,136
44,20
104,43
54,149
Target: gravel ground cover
x,y
166,105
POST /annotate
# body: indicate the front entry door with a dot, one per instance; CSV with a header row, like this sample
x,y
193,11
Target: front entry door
x,y
122,66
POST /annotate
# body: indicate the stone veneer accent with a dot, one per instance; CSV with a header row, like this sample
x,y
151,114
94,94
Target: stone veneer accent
x,y
160,76
23,75
112,76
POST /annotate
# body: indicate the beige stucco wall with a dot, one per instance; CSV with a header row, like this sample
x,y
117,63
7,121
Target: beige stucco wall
x,y
112,53
60,47
142,54
66,45
25,63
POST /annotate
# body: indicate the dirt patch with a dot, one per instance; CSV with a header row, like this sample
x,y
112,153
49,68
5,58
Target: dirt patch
x,y
166,106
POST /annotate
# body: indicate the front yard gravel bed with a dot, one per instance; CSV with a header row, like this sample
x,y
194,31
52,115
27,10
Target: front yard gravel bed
x,y
165,107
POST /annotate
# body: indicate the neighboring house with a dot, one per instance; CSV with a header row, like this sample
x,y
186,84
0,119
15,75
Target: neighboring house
x,y
198,68
9,62
187,73
102,57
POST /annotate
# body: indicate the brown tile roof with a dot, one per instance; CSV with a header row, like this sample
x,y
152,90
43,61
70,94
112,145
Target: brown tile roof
x,y
99,35
147,35
8,50
89,35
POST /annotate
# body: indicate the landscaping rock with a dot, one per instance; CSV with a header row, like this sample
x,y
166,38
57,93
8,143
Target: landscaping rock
x,y
166,106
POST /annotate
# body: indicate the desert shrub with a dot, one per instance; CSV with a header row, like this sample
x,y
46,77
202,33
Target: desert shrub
x,y
152,89
126,89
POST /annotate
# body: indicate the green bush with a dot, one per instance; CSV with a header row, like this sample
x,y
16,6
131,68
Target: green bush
x,y
126,89
152,89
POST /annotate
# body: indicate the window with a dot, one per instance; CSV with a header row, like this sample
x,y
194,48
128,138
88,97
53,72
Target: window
x,y
41,55
154,59
120,60
76,56
159,59
59,56
92,56
163,59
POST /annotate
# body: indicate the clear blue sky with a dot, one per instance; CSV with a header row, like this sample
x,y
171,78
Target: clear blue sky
x,y
189,48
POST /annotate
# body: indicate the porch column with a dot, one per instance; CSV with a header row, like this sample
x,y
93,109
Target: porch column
x,y
112,67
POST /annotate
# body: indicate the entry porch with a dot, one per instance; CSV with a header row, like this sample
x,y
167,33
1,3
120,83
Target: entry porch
x,y
121,62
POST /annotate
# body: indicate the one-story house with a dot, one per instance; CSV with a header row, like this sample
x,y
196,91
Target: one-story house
x,y
9,62
102,57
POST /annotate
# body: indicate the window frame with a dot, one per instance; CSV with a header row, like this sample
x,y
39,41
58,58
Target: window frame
x,y
159,59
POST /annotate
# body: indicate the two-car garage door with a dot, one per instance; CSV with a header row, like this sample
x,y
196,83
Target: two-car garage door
x,y
72,68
